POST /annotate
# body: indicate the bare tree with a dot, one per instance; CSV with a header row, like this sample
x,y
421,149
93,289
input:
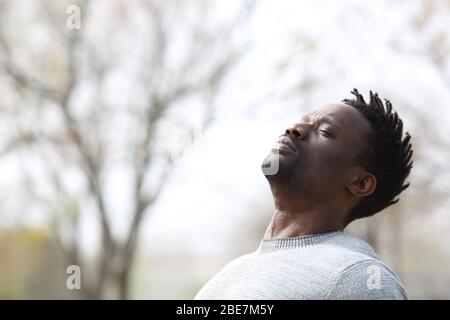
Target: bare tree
x,y
79,141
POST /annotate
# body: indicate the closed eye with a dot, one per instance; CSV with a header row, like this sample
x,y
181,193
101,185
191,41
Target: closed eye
x,y
326,133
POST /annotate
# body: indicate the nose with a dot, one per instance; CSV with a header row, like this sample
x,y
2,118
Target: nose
x,y
297,130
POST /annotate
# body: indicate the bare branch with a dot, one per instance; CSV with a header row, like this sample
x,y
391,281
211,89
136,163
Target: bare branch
x,y
20,77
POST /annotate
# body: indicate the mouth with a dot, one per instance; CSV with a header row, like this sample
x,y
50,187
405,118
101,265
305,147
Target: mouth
x,y
285,144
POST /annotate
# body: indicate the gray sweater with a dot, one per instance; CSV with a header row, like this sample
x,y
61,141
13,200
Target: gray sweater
x,y
331,265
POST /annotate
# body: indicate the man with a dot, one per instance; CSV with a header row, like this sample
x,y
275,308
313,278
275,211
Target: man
x,y
344,162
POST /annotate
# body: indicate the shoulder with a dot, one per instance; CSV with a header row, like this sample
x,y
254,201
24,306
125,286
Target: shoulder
x,y
367,279
361,273
235,266
219,285
353,245
241,260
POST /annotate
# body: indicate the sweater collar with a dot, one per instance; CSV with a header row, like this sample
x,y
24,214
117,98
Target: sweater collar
x,y
288,243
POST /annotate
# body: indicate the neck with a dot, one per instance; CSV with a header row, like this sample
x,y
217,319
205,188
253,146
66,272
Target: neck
x,y
284,224
300,217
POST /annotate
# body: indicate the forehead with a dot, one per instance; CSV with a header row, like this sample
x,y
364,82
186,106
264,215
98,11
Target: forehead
x,y
345,117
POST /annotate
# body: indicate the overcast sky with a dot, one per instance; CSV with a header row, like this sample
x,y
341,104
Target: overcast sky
x,y
216,185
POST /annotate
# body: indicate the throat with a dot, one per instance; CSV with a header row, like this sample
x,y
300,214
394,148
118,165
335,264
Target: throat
x,y
296,224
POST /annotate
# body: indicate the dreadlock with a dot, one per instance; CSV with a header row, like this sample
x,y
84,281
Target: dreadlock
x,y
390,159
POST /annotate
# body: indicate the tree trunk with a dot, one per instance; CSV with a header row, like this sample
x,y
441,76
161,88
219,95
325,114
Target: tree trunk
x,y
372,234
396,246
124,282
123,277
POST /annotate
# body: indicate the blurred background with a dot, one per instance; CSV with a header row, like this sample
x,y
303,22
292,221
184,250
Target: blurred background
x,y
132,134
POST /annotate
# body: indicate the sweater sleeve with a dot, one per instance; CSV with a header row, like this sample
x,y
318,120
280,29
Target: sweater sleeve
x,y
367,280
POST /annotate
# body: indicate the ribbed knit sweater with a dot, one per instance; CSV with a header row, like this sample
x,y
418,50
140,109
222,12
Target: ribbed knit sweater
x,y
331,265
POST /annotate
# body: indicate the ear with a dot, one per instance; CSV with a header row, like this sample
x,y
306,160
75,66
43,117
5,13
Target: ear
x,y
362,183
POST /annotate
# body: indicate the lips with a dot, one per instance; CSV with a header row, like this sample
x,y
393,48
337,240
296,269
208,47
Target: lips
x,y
286,143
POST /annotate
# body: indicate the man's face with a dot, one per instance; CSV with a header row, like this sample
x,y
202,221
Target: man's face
x,y
316,153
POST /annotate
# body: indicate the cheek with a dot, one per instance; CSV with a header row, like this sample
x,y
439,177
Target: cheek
x,y
324,165
331,158
328,167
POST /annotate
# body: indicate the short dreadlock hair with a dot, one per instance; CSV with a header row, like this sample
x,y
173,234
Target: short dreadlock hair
x,y
390,157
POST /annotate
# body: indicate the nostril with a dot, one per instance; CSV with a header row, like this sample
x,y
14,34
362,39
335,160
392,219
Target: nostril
x,y
296,132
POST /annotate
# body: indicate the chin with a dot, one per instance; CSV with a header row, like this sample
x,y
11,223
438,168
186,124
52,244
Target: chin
x,y
277,165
